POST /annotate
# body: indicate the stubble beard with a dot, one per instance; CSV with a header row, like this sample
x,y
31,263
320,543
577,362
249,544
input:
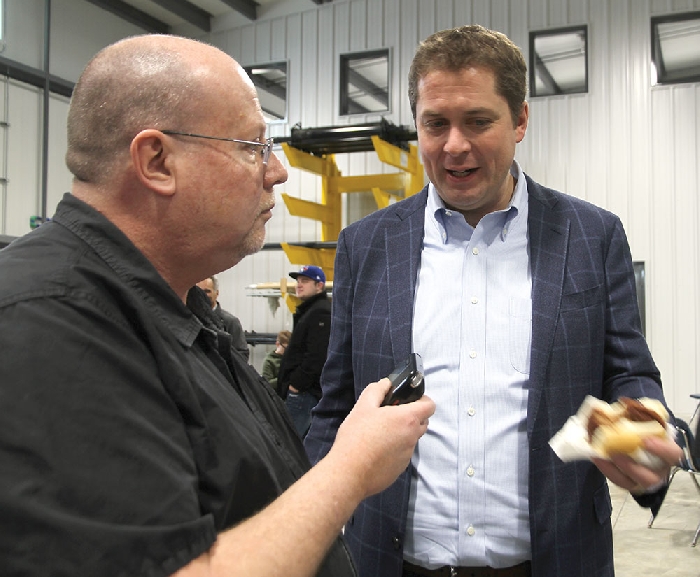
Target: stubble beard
x,y
254,241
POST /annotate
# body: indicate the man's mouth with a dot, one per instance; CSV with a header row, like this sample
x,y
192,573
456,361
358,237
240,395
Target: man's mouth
x,y
462,173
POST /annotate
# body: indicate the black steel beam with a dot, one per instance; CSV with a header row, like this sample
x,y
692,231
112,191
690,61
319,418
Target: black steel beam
x,y
34,77
269,86
132,15
550,84
248,8
352,138
368,87
188,12
5,240
310,244
253,338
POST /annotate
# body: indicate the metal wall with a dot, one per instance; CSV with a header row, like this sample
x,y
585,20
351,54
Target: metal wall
x,y
625,145
78,30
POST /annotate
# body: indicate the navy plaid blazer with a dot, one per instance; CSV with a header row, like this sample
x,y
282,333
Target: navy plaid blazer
x,y
586,340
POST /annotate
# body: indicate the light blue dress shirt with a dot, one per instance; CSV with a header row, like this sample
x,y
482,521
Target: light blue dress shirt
x,y
472,326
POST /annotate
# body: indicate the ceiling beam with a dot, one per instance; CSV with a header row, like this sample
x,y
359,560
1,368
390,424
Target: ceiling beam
x,y
248,8
368,87
547,79
34,77
188,12
269,86
132,15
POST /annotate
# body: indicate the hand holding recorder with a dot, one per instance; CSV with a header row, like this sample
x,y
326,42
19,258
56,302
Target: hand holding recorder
x,y
407,383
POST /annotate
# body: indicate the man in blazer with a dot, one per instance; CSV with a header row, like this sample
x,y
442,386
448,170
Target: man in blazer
x,y
520,309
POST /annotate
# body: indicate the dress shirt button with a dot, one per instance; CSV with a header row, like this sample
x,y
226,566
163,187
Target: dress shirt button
x,y
470,471
448,213
471,531
472,354
475,251
471,412
475,300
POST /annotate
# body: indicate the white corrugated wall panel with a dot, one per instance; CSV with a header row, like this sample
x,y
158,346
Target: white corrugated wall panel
x,y
639,100
23,157
661,260
58,176
618,105
624,145
684,236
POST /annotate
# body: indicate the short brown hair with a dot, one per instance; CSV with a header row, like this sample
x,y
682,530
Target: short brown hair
x,y
472,45
283,337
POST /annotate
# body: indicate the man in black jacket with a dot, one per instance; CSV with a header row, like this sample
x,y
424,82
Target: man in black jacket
x,y
133,442
231,324
300,371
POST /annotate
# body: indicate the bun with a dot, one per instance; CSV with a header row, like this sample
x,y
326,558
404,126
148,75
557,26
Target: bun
x,y
622,426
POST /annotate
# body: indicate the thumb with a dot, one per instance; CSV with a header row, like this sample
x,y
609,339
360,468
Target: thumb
x,y
374,393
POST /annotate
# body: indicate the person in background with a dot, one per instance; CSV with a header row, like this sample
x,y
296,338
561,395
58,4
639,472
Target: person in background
x,y
230,323
521,301
132,440
271,364
302,363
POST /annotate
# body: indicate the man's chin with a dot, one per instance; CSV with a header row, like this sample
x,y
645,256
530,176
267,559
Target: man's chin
x,y
254,243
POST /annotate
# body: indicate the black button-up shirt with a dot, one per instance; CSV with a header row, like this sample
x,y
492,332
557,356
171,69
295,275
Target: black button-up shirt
x,y
129,435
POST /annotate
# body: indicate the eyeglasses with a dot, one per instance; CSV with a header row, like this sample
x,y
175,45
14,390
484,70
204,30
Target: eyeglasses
x,y
266,146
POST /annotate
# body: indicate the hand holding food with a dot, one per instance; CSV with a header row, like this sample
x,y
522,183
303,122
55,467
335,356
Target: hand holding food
x,y
621,426
600,429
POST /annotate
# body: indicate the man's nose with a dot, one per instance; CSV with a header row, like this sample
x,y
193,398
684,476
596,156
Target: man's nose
x,y
275,172
457,142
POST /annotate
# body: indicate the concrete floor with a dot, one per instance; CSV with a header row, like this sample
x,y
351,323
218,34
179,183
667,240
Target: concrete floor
x,y
663,550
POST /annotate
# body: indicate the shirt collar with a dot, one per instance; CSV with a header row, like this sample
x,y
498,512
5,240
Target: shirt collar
x,y
437,209
131,266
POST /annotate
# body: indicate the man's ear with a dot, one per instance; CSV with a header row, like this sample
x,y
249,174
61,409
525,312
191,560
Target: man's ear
x,y
153,161
521,123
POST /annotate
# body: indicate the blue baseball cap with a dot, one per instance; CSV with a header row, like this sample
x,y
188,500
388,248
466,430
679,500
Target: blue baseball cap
x,y
313,272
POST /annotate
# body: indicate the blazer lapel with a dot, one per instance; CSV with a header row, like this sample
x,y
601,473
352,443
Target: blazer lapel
x,y
404,243
548,241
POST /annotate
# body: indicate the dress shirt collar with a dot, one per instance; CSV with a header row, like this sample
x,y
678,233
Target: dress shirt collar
x,y
438,211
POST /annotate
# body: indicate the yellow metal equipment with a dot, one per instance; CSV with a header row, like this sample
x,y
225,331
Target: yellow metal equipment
x,y
328,212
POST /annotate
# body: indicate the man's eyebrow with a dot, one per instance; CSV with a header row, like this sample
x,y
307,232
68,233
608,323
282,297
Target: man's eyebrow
x,y
483,111
468,112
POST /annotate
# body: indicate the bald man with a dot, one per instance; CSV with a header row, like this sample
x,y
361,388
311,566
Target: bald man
x,y
132,442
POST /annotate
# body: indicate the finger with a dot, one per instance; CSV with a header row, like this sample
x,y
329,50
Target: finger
x,y
667,450
375,392
427,407
640,475
614,474
618,473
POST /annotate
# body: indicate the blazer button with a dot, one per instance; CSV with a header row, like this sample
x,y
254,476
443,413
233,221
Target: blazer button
x,y
396,542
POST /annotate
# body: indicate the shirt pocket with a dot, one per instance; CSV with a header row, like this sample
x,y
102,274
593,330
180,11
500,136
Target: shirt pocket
x,y
520,334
